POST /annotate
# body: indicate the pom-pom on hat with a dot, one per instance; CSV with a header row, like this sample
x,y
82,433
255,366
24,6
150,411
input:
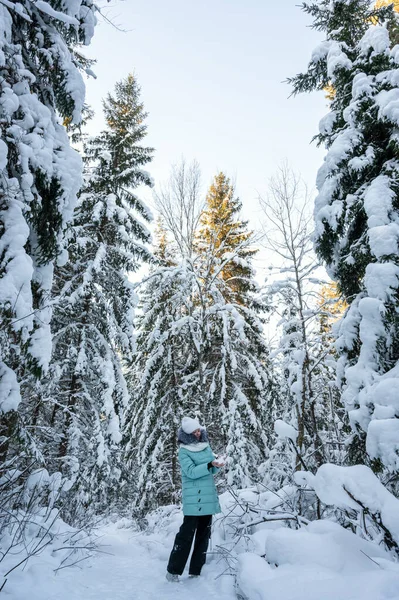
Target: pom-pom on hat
x,y
189,425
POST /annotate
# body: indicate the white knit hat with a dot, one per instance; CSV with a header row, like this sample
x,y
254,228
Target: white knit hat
x,y
189,425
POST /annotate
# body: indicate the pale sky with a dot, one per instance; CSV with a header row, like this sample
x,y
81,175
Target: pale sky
x,y
212,74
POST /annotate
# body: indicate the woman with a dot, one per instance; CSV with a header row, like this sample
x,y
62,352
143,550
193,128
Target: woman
x,y
200,500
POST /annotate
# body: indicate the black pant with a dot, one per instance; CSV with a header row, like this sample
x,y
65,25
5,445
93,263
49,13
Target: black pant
x,y
201,527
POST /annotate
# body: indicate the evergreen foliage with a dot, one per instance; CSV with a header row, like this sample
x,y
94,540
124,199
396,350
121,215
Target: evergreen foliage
x,y
40,176
93,322
234,348
344,24
356,218
196,354
159,381
96,372
236,372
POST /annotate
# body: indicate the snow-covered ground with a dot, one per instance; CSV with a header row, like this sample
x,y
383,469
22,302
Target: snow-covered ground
x,y
320,561
133,568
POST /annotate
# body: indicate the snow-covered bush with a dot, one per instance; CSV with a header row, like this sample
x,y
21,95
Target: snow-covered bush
x,y
273,551
372,510
30,524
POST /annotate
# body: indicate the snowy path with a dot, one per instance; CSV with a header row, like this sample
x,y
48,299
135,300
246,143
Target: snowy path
x,y
134,569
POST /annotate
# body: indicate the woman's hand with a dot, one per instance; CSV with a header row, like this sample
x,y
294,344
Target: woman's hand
x,y
216,463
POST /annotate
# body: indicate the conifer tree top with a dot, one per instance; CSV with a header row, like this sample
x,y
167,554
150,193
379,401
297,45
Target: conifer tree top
x,y
116,153
219,223
225,237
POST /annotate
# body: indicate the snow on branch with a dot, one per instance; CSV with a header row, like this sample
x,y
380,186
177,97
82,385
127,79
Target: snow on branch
x,y
56,14
284,430
357,488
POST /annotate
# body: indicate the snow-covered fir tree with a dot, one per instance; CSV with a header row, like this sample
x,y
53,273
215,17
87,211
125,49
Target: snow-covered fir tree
x,y
40,176
196,354
238,382
160,384
233,344
357,219
93,322
343,23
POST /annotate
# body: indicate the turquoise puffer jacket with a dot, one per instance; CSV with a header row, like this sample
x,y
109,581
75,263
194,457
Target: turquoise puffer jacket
x,y
199,490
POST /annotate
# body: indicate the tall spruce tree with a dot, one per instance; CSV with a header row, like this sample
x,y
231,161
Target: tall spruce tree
x,y
234,350
343,24
41,174
238,384
40,178
393,24
357,226
160,382
93,322
196,354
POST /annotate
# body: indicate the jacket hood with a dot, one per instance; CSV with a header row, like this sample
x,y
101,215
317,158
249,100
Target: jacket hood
x,y
189,438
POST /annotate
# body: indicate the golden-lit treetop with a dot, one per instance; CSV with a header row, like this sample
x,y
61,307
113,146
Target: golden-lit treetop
x,y
329,89
219,225
330,92
380,3
332,304
393,26
222,235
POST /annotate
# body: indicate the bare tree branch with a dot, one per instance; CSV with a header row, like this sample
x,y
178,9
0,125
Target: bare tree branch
x,y
180,204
